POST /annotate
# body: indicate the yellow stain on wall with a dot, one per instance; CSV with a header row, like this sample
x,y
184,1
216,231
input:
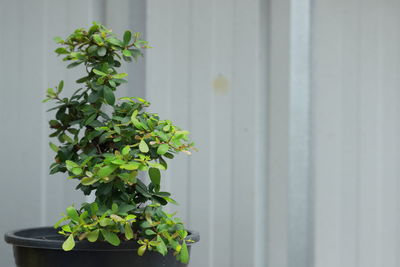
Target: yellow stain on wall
x,y
221,85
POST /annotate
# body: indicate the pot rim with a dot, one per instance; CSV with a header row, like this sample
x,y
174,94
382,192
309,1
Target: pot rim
x,y
35,238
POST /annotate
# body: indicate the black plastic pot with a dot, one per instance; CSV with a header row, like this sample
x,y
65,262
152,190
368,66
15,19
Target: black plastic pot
x,y
41,247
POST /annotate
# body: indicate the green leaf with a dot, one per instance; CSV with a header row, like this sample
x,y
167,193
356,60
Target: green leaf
x,y
70,165
109,95
97,39
102,51
127,37
162,149
149,232
120,75
161,247
74,64
142,250
58,39
105,171
184,254
93,235
72,213
114,207
88,180
127,53
125,151
128,231
61,51
77,171
69,244
66,228
115,41
99,72
54,147
143,147
60,86
155,176
110,237
133,165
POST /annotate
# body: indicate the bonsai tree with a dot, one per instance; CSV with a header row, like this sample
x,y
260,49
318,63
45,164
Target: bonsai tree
x,y
106,149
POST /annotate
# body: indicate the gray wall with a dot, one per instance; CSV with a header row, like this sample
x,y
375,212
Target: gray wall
x,y
356,125
207,72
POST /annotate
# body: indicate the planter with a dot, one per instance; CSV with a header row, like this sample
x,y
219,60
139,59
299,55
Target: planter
x,y
41,247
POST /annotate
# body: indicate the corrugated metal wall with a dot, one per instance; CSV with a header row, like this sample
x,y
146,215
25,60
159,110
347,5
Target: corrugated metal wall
x,y
356,117
207,72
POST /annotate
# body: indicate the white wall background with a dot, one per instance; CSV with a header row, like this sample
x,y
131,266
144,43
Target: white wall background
x,y
292,103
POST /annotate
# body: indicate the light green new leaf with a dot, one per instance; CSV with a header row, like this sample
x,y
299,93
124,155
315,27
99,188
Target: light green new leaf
x,y
88,180
99,73
72,213
60,86
162,149
120,75
128,231
143,147
77,171
127,53
54,147
58,39
69,244
97,39
130,166
184,254
125,151
142,250
105,171
93,235
110,237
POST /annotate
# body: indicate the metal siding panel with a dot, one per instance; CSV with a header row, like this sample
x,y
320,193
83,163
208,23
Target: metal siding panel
x,y
212,69
355,125
20,117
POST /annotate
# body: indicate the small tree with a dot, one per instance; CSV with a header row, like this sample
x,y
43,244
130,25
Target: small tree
x,y
106,151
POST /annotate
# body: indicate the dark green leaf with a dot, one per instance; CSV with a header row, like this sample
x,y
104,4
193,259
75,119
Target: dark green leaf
x,y
109,95
155,176
74,64
127,37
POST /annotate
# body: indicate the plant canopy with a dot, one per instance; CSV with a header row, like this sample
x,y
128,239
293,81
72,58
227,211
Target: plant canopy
x,y
106,149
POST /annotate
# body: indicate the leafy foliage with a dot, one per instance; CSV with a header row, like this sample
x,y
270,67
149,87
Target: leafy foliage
x,y
106,151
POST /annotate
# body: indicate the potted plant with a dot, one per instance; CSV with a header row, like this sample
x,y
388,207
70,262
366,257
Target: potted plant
x,y
107,145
